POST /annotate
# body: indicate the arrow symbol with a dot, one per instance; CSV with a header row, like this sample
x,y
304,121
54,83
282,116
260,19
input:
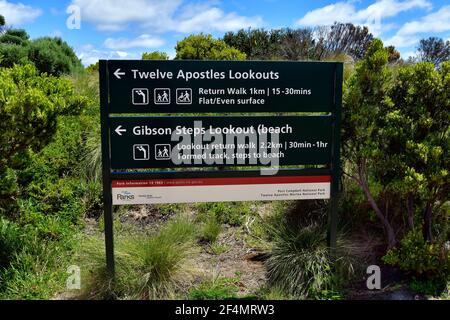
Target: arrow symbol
x,y
117,73
119,130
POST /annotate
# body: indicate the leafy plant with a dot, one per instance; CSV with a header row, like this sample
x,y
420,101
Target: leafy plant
x,y
419,256
205,47
217,288
210,229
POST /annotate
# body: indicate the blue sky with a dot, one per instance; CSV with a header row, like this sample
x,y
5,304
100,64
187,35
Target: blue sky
x,y
126,28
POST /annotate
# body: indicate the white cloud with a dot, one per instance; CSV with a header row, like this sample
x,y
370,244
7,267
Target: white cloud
x,y
345,11
409,33
89,55
18,13
143,41
161,16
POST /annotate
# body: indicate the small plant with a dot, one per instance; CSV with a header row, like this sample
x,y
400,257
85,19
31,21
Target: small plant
x,y
146,266
415,254
217,248
227,213
431,287
299,264
217,288
210,229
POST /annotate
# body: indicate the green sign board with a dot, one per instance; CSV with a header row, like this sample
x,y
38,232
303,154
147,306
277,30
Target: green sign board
x,y
220,86
170,142
200,125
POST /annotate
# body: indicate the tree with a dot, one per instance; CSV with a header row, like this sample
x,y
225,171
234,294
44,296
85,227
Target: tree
x,y
53,56
366,100
434,50
155,55
30,104
94,67
297,44
417,136
14,36
205,47
346,38
394,55
2,23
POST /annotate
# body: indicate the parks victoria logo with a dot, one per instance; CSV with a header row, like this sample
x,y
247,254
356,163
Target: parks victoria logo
x,y
125,196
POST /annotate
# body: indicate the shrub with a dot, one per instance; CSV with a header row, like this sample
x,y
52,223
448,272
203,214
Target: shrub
x,y
10,241
13,54
155,55
231,213
30,103
216,289
210,229
416,255
205,47
299,263
146,266
53,56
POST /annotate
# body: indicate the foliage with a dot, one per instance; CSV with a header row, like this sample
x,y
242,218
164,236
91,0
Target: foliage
x,y
366,101
14,36
53,56
210,229
155,55
434,50
417,255
94,67
218,288
302,44
299,264
205,47
231,213
50,55
146,266
416,135
349,39
10,241
431,287
30,104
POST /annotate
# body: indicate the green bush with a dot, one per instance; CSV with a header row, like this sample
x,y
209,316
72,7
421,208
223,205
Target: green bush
x,y
205,47
10,241
146,266
218,288
30,103
155,55
210,229
13,54
231,213
299,263
53,56
416,255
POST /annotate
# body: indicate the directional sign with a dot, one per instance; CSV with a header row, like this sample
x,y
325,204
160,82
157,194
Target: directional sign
x,y
220,86
219,141
276,146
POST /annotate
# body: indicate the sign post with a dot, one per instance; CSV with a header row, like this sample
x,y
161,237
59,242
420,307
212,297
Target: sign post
x,y
200,131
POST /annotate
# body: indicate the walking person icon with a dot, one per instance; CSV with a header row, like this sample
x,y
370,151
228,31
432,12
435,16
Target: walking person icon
x,y
161,96
162,152
165,97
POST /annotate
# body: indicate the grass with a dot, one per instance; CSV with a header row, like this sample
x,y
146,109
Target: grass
x,y
210,229
147,266
299,264
218,288
218,248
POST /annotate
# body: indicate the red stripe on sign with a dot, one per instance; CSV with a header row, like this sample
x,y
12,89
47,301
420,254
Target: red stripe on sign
x,y
218,181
